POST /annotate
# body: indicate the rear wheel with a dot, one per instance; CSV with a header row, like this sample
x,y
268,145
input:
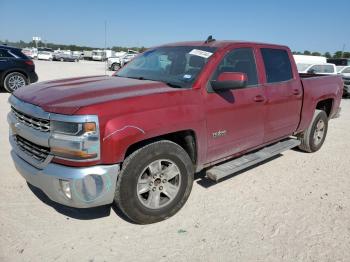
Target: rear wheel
x,y
314,136
155,182
14,80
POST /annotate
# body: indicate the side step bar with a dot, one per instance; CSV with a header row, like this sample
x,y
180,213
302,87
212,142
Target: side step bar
x,y
228,168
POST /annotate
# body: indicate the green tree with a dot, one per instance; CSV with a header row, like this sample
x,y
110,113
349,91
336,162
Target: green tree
x,y
306,52
338,54
346,54
316,54
327,54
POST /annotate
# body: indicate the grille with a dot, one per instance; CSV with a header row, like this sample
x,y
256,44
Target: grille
x,y
347,82
36,123
39,153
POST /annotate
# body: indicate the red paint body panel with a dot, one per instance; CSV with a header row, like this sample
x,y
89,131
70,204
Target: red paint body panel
x,y
132,110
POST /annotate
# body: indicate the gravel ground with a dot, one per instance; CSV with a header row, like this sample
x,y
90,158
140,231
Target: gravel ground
x,y
295,207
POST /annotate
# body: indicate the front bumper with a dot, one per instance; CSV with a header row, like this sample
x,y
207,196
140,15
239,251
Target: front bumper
x,y
89,186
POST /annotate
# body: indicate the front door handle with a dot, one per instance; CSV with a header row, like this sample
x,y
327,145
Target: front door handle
x,y
259,99
296,92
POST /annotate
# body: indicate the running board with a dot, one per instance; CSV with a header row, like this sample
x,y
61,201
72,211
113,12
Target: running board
x,y
228,168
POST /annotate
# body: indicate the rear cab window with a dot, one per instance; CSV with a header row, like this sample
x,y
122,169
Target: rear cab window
x,y
277,65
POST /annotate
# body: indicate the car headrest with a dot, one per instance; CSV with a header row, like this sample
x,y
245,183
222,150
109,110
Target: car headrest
x,y
196,61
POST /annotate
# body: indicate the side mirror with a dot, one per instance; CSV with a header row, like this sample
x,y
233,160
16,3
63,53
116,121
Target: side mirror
x,y
229,80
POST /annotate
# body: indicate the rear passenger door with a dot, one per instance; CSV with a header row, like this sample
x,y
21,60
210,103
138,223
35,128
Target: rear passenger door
x,y
284,94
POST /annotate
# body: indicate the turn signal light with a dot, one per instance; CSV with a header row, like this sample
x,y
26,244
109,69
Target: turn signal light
x,y
71,154
89,127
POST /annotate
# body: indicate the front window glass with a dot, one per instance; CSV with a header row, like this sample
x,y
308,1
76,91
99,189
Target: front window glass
x,y
239,60
178,66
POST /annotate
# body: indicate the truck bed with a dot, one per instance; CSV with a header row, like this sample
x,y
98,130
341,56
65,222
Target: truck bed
x,y
317,88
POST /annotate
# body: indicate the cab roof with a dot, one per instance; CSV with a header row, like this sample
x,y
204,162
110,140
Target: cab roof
x,y
221,43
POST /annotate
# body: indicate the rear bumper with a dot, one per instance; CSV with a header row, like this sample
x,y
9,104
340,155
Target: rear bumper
x,y
33,77
346,89
337,113
89,186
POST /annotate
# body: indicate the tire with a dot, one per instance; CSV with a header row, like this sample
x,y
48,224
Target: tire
x,y
314,136
115,67
61,59
14,80
143,208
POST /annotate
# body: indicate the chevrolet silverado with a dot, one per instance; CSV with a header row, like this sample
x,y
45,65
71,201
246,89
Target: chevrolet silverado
x,y
135,139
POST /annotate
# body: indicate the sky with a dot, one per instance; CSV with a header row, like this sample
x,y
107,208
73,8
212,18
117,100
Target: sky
x,y
302,25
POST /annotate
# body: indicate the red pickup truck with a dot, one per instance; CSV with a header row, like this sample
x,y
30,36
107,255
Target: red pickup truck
x,y
136,139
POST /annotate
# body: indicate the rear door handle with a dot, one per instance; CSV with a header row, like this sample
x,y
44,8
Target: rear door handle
x,y
259,99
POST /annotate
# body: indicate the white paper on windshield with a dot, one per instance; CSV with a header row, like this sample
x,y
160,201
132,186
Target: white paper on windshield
x,y
200,53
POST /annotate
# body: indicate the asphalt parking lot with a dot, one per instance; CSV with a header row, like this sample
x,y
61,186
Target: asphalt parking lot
x,y
295,207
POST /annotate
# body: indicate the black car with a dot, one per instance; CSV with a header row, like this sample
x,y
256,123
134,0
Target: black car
x,y
65,57
16,69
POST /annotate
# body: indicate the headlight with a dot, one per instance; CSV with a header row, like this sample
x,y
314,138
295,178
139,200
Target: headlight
x,y
79,141
70,128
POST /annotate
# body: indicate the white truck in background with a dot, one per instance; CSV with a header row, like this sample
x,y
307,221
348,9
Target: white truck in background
x,y
120,59
314,65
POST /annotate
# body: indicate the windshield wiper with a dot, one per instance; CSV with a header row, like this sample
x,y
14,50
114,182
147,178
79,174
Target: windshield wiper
x,y
173,85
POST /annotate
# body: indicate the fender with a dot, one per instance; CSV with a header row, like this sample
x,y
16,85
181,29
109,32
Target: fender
x,y
122,132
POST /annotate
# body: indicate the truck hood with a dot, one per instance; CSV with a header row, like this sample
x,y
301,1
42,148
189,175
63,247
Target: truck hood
x,y
67,96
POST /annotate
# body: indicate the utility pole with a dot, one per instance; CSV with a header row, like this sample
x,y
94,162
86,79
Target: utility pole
x,y
105,47
342,51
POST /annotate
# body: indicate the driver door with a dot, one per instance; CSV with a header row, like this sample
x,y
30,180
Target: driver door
x,y
235,118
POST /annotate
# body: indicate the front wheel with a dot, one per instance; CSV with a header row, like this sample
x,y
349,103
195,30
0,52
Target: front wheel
x,y
314,136
116,67
155,182
13,81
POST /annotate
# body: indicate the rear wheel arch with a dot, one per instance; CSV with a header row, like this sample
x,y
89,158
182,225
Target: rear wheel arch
x,y
325,105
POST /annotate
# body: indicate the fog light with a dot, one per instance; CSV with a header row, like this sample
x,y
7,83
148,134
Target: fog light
x,y
65,186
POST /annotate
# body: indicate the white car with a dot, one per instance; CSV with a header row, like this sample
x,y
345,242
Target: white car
x,y
45,55
114,63
344,70
318,69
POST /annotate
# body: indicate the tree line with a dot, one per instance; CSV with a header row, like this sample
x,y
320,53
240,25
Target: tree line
x,y
337,54
22,44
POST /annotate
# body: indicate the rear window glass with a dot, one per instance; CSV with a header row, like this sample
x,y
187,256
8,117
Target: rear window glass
x,y
277,65
18,52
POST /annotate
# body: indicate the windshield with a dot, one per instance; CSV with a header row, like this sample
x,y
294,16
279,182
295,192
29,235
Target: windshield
x,y
178,66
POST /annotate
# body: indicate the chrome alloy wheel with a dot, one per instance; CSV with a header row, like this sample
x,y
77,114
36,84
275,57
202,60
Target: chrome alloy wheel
x,y
159,184
15,82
